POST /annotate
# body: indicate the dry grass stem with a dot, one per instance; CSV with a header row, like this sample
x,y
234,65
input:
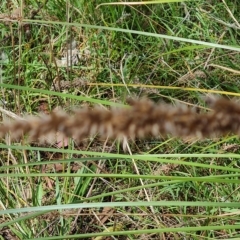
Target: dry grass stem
x,y
142,119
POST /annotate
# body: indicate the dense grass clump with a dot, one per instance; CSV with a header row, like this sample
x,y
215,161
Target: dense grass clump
x,y
78,160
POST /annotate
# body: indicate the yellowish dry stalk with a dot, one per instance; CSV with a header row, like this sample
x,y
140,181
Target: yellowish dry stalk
x,y
142,119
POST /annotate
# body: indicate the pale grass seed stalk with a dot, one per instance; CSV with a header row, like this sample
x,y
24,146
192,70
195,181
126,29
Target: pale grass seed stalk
x,y
141,120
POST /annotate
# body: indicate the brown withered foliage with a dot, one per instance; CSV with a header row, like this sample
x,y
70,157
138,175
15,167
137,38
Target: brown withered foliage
x,y
142,119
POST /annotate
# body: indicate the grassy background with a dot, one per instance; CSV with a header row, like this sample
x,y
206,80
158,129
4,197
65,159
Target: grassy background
x,y
156,188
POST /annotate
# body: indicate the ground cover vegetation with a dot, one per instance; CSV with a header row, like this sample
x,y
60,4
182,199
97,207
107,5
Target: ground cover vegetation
x,y
80,55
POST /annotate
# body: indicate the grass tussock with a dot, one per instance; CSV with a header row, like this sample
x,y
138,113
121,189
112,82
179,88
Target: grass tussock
x,y
82,54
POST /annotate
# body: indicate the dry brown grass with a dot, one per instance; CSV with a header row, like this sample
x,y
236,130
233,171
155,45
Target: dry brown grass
x,y
142,119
